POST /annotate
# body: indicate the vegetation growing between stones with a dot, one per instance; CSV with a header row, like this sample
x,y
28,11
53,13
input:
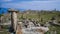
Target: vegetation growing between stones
x,y
42,17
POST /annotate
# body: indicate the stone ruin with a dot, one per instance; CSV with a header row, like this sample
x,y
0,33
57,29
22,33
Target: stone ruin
x,y
26,26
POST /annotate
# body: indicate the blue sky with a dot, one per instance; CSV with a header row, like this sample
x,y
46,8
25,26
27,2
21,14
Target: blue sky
x,y
31,4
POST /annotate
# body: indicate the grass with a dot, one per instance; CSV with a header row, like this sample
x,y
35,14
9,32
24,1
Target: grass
x,y
4,30
46,16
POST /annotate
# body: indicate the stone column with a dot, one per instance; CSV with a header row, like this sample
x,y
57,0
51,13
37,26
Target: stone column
x,y
13,19
19,29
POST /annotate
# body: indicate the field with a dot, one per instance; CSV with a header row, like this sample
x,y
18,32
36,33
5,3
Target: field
x,y
41,16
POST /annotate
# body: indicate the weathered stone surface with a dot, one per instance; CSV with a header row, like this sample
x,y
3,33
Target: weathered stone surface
x,y
19,30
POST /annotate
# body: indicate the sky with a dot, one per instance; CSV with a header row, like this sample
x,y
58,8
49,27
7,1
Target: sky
x,y
30,4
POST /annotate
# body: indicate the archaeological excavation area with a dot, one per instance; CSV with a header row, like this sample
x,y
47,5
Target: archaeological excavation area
x,y
30,23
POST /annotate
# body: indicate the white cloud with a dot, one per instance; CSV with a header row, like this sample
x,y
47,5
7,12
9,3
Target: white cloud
x,y
25,0
47,0
6,0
